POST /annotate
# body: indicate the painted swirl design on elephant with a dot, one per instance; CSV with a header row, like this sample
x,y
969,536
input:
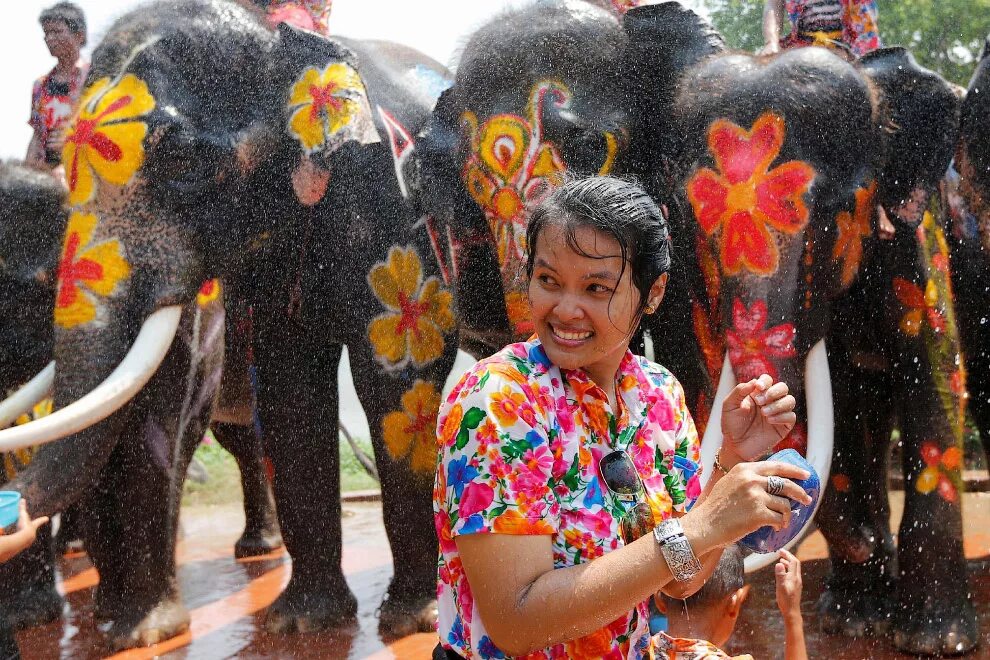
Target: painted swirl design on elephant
x,y
323,103
106,139
744,198
418,312
511,167
91,269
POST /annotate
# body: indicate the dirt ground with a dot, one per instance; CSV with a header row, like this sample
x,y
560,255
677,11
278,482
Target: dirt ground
x,y
227,598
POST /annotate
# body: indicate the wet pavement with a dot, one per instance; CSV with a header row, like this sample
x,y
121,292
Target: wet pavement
x,y
227,598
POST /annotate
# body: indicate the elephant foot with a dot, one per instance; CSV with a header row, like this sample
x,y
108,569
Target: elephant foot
x,y
399,618
254,543
313,609
34,605
941,631
853,613
166,620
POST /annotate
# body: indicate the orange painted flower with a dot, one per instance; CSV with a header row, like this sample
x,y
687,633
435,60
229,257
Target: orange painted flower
x,y
324,102
853,228
209,292
412,431
919,304
941,471
744,196
106,137
88,271
418,311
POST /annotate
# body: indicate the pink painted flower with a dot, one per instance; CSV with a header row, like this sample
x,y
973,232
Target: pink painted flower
x,y
751,343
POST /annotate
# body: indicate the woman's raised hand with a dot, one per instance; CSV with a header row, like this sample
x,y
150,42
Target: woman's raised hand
x,y
739,504
755,416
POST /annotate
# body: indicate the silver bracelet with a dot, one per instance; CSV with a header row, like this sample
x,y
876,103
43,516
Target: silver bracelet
x,y
676,549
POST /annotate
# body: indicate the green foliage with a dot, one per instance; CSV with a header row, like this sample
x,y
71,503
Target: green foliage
x,y
944,35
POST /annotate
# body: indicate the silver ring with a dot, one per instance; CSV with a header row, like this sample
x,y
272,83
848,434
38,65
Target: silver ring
x,y
775,485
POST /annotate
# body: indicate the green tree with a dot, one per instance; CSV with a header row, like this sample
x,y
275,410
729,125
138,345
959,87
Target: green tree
x,y
944,35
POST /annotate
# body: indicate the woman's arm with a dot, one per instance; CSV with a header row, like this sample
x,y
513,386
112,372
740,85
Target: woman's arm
x,y
528,605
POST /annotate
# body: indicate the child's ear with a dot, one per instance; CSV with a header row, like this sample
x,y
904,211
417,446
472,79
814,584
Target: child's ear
x,y
737,599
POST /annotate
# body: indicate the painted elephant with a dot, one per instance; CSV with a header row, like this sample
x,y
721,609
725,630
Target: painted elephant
x,y
32,222
210,146
777,266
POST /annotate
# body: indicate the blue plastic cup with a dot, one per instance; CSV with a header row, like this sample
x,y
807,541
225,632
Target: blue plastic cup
x,y
767,539
10,511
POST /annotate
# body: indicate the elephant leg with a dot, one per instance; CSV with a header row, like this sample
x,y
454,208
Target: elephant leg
x,y
298,406
261,534
131,523
69,536
402,415
854,515
935,613
27,584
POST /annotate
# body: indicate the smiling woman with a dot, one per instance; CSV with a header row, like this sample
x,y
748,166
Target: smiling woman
x,y
559,455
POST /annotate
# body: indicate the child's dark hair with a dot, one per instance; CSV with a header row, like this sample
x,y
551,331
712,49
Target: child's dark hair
x,y
618,207
67,12
727,579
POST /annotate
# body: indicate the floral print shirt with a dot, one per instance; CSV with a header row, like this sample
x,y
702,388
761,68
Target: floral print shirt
x,y
672,648
859,25
520,442
52,104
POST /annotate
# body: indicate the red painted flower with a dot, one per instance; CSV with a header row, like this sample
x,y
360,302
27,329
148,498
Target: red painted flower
x,y
918,303
744,196
751,343
797,440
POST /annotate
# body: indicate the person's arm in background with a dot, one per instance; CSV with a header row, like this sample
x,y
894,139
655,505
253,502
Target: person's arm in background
x,y
773,10
27,530
788,574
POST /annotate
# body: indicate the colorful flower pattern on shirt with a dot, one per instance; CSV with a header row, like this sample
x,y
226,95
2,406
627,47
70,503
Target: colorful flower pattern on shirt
x,y
744,199
520,442
106,140
675,648
859,25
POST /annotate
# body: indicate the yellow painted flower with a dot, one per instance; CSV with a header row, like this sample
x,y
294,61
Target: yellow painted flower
x,y
106,138
412,431
88,270
927,480
418,311
209,292
15,461
324,102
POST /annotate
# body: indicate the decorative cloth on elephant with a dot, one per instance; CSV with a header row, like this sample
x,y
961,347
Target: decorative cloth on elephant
x,y
311,15
520,443
52,105
817,22
674,648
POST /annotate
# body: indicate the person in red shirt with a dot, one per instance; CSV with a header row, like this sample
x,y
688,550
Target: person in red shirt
x,y
703,623
56,93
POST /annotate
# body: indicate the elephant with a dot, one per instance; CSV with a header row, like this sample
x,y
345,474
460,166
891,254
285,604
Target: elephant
x,y
32,224
211,148
773,276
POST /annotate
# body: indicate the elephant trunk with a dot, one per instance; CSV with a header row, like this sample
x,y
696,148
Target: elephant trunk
x,y
105,376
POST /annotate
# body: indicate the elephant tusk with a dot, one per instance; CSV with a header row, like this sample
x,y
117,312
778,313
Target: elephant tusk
x,y
134,371
27,397
818,396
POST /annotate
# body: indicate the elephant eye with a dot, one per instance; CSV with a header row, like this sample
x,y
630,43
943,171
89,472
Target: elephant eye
x,y
187,165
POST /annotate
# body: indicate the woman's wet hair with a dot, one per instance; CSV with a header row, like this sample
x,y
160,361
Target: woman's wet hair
x,y
618,207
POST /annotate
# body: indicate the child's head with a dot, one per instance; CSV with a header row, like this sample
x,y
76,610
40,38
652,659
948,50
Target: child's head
x,y
711,613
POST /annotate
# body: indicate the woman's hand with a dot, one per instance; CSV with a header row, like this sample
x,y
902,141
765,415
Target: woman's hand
x,y
27,531
739,504
755,416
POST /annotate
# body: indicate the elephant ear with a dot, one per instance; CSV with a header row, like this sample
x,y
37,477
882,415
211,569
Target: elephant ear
x,y
974,130
460,234
664,41
920,114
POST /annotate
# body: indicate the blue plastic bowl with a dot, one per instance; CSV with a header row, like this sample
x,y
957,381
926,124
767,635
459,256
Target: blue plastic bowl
x,y
766,539
10,501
